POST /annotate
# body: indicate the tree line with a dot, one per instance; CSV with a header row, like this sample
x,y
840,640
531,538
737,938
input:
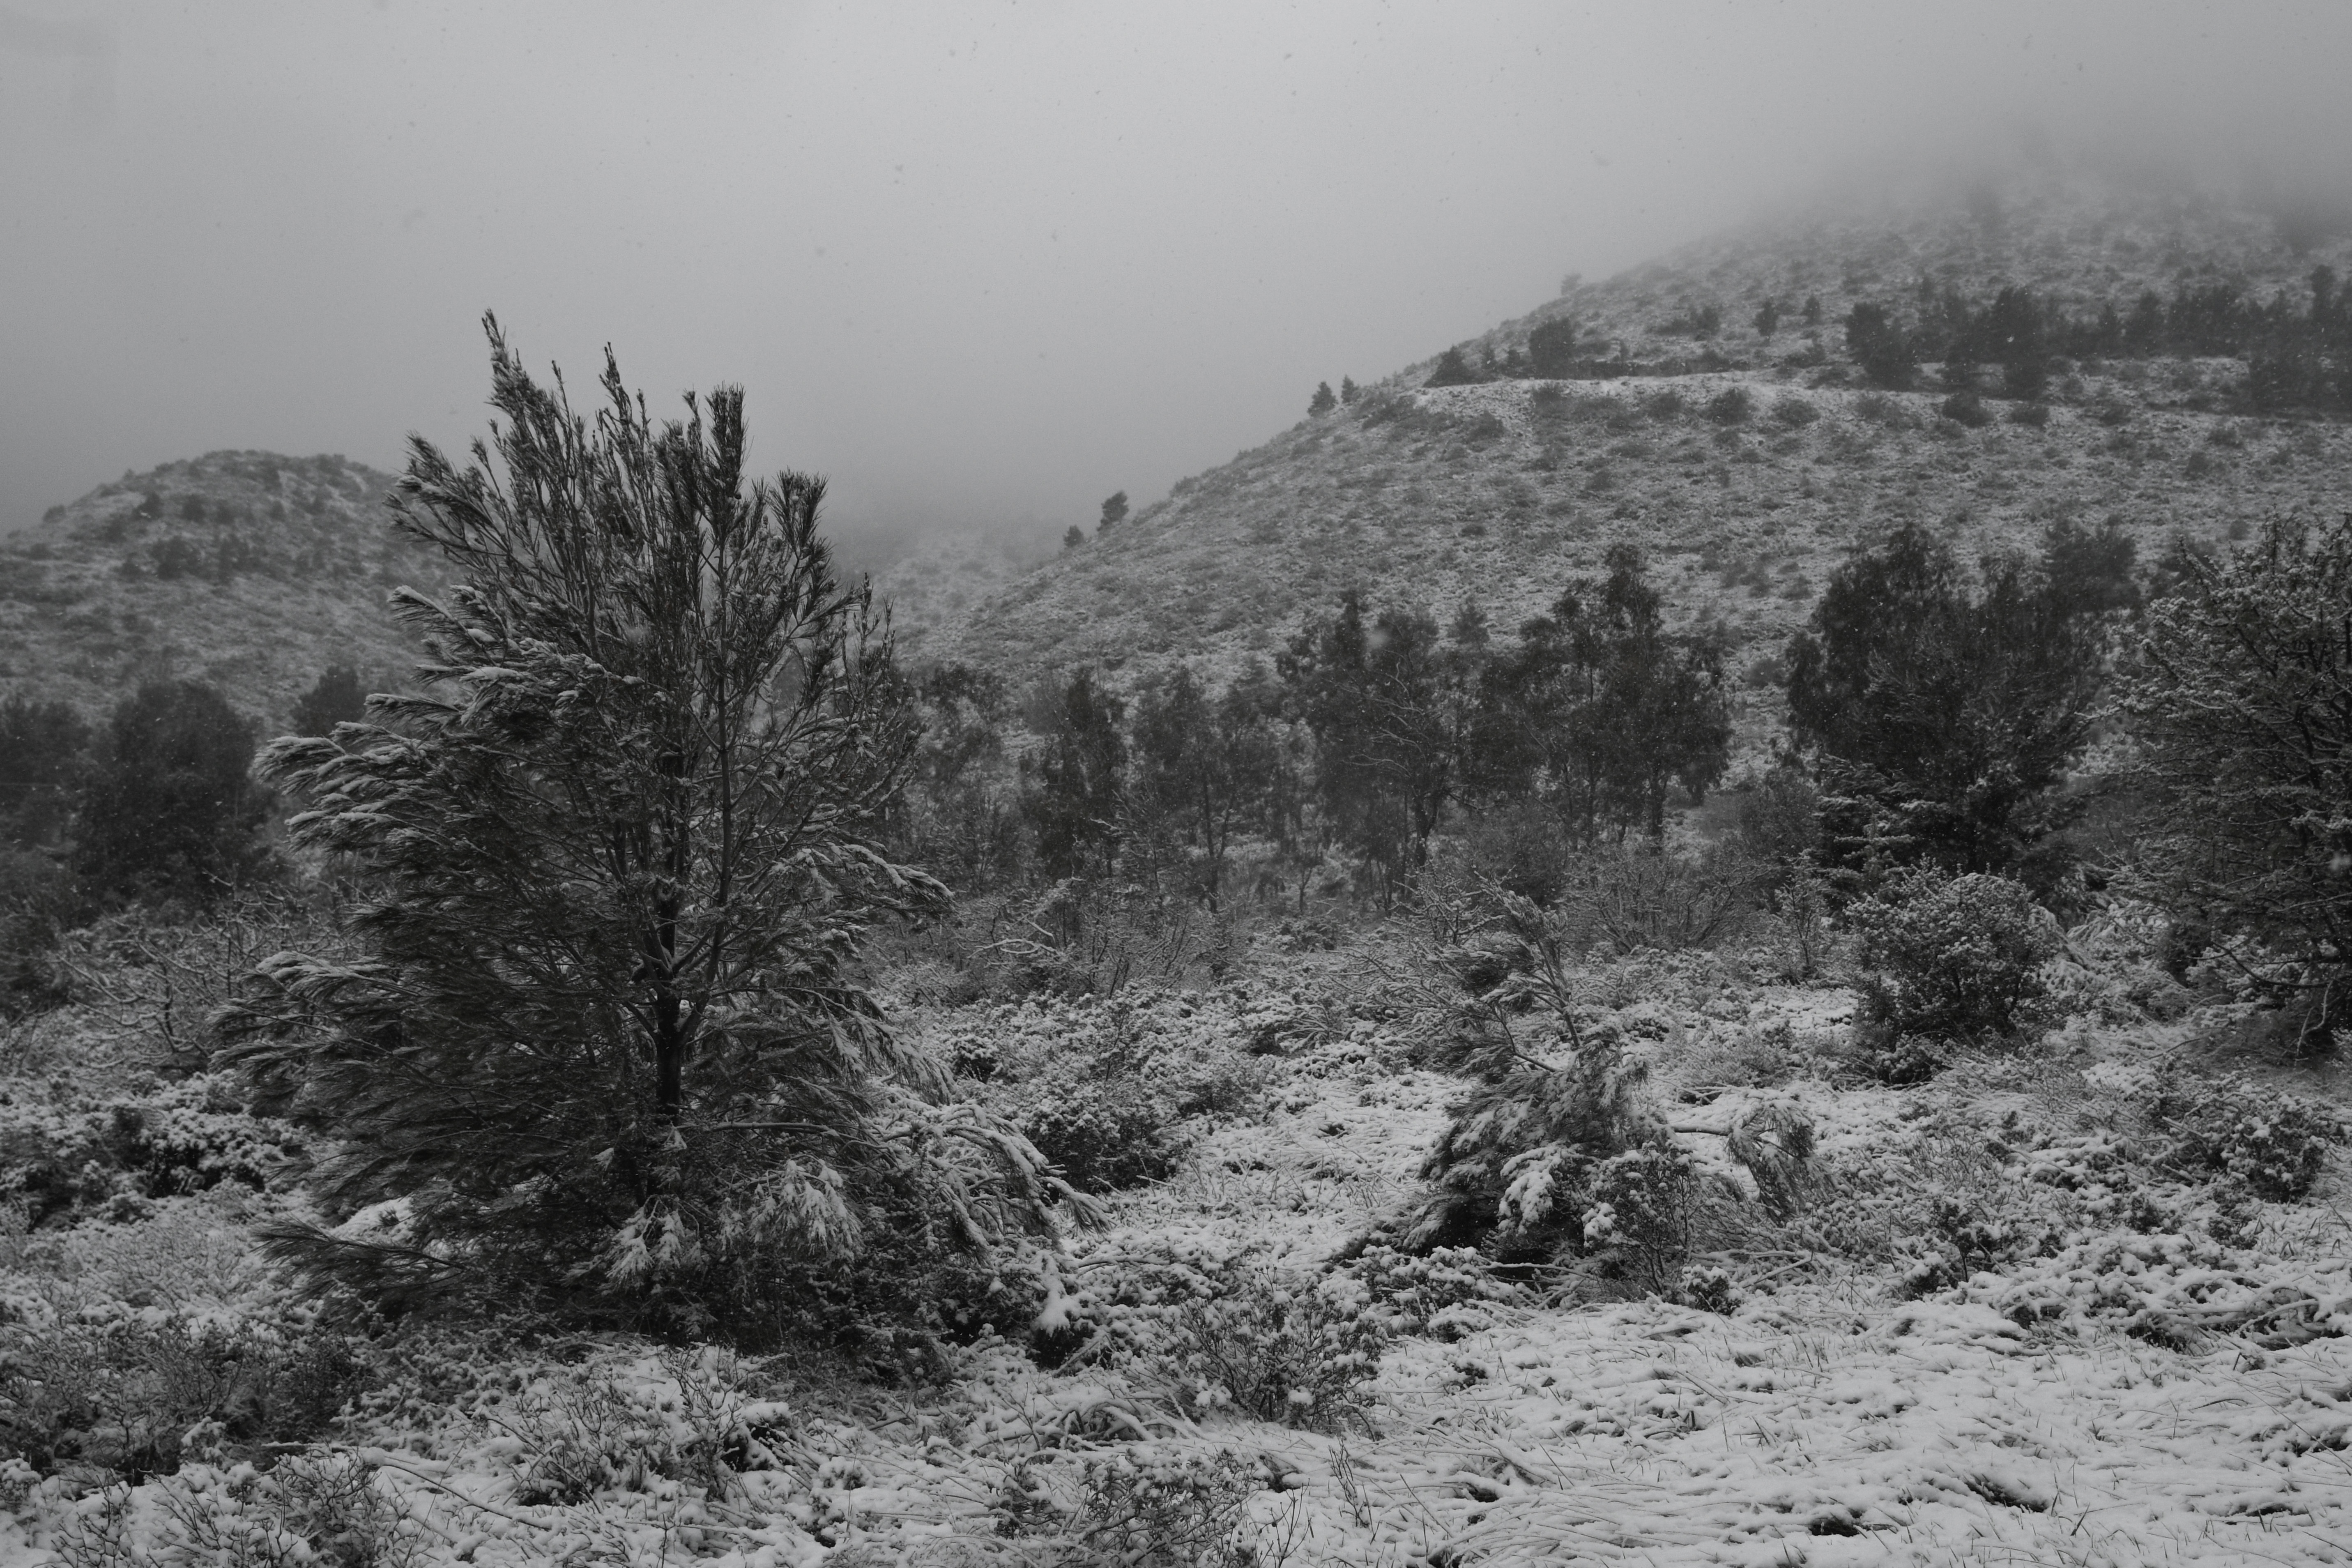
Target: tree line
x,y
2298,352
1347,752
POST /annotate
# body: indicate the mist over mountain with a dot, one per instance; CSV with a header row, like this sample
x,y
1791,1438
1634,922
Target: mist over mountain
x,y
1709,408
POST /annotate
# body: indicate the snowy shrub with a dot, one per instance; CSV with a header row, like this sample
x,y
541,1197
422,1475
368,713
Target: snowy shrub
x,y
309,1511
1559,1156
1515,1157
2233,1217
65,1160
1899,1060
1143,1509
1286,1348
122,1390
572,1433
1222,1326
1637,1214
1773,1141
1445,1292
970,1057
1103,1135
1954,958
2276,1143
1708,1289
895,1311
1964,1238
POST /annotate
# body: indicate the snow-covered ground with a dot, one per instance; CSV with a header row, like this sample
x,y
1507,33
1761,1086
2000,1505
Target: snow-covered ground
x,y
2137,1381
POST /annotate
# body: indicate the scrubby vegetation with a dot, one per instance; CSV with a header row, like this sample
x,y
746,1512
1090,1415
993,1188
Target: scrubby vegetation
x,y
684,1078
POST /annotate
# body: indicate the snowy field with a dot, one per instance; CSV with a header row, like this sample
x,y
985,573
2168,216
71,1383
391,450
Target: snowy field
x,y
2001,1333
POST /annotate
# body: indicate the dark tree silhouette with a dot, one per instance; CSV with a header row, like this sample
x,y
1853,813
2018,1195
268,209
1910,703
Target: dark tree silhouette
x,y
1879,346
1601,714
1453,369
1077,783
169,808
337,699
42,753
1551,348
1943,715
1373,698
1207,766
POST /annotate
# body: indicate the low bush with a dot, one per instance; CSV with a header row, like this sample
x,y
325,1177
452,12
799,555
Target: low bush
x,y
1953,958
1165,1510
1882,409
120,1392
1283,1348
1446,1292
64,1161
1731,406
2276,1145
1221,1327
1794,412
571,1432
1966,408
1103,1135
1511,1170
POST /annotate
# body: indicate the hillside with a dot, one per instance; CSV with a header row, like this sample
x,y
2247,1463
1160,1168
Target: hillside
x,y
1499,492
247,570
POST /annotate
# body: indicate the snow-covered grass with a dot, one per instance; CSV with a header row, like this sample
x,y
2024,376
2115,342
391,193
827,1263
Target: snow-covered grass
x,y
2006,1330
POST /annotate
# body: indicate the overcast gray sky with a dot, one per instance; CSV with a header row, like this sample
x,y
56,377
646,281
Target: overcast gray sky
x,y
979,263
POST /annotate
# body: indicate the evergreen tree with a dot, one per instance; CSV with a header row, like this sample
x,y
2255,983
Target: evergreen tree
x,y
42,753
168,808
1942,717
2016,338
1879,346
1551,348
1074,537
1347,389
953,816
605,1040
1767,318
1323,402
1601,714
2240,694
1453,369
1204,765
1373,698
1077,783
337,699
1114,513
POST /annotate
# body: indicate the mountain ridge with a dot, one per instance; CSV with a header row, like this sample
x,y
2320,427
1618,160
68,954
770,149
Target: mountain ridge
x,y
248,570
1745,462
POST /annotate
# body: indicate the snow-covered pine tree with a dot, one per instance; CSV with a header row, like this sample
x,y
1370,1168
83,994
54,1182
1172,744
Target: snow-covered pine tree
x,y
603,1048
